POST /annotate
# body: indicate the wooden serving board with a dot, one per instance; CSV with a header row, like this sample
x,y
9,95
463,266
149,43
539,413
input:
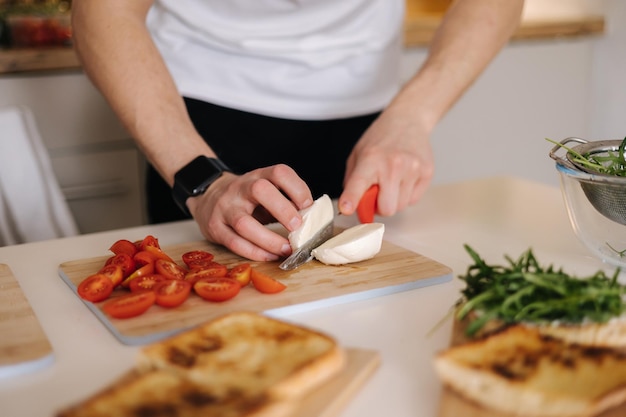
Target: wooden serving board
x,y
313,285
333,396
452,404
24,347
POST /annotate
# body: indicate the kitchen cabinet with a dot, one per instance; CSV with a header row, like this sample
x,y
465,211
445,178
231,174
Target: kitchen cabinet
x,y
98,167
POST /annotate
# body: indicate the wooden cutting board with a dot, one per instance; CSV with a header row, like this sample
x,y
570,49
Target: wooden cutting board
x,y
333,396
313,285
452,404
24,347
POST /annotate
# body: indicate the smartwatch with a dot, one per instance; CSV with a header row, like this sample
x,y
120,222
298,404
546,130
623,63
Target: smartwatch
x,y
194,178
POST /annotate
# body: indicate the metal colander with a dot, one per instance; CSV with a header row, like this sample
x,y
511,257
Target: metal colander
x,y
606,193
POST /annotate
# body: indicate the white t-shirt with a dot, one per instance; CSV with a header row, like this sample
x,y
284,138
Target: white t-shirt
x,y
299,59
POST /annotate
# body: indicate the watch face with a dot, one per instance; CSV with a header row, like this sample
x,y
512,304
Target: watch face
x,y
198,175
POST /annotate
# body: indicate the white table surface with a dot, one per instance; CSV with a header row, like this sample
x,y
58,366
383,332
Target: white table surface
x,y
496,216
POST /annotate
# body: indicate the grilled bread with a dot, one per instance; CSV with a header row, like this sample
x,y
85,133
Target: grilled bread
x,y
249,352
238,365
520,371
609,334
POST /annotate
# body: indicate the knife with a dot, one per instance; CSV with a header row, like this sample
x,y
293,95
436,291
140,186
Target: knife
x,y
303,254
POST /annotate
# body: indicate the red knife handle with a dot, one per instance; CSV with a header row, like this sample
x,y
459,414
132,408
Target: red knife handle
x,y
367,206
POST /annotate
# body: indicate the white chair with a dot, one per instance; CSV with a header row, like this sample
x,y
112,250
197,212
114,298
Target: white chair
x,y
32,206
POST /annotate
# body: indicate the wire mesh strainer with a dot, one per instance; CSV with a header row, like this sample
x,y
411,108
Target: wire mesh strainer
x,y
607,193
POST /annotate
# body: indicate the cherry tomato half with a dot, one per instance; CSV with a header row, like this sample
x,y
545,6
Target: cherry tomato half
x,y
240,273
123,246
124,260
130,305
157,253
169,269
95,288
145,283
264,283
147,269
114,272
217,289
142,258
172,292
149,241
214,270
196,257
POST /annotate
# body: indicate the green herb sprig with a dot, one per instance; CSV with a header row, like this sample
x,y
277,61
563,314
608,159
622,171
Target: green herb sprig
x,y
524,291
611,163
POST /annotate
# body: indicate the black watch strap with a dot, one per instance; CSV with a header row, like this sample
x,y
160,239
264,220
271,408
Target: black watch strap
x,y
194,178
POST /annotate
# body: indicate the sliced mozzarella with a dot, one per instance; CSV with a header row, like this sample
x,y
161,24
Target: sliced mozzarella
x,y
314,218
355,244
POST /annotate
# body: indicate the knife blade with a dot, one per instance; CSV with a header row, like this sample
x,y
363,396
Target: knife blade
x,y
303,254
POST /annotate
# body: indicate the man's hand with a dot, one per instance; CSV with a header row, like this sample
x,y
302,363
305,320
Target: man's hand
x,y
234,210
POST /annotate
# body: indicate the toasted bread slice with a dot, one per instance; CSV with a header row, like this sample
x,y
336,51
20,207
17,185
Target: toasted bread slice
x,y
162,393
609,334
522,372
250,352
238,365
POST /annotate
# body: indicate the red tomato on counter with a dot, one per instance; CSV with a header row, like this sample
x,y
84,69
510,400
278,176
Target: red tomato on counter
x,y
95,288
153,277
197,258
124,260
210,270
169,269
145,283
114,272
172,292
131,305
123,246
265,284
147,269
217,289
240,273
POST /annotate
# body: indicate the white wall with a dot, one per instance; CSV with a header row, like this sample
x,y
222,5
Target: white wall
x,y
608,101
533,90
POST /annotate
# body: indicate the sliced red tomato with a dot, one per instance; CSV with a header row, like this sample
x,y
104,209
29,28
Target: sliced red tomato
x,y
217,289
130,305
114,272
157,253
123,246
149,241
264,283
169,269
142,258
147,269
124,260
240,273
213,270
196,257
367,206
145,283
172,292
95,288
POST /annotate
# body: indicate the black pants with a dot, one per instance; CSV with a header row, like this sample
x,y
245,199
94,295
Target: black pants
x,y
316,150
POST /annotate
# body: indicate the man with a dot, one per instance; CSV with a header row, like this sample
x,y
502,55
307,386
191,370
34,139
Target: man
x,y
261,106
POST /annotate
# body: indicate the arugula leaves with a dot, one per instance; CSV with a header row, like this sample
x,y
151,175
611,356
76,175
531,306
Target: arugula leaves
x,y
524,291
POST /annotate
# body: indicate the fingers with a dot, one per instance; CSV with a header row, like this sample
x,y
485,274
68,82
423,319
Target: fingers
x,y
229,212
403,178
